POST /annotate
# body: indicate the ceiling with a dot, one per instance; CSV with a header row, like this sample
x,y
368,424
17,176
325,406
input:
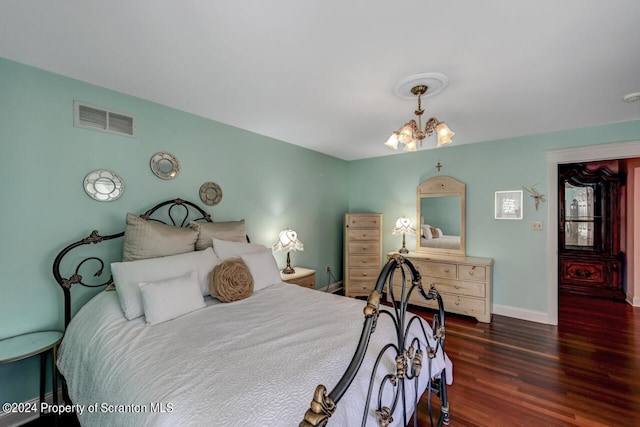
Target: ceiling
x,y
320,74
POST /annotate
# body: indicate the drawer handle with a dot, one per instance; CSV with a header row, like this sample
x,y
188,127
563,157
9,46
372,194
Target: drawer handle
x,y
364,261
457,286
457,302
446,270
471,273
364,274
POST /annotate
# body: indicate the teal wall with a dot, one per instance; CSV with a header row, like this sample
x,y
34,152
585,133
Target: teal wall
x,y
271,184
388,185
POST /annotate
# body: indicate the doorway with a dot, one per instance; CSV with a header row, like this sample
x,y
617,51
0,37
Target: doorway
x,y
575,155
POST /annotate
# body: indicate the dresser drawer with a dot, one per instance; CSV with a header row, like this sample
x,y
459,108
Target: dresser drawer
x,y
436,269
363,221
361,287
452,303
363,234
364,273
472,272
364,261
364,247
456,287
464,305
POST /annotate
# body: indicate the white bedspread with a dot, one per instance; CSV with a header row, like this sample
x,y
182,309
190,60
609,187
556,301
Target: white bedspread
x,y
442,242
254,362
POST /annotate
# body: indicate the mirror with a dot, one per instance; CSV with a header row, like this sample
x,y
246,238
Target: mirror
x,y
103,185
210,193
165,165
440,203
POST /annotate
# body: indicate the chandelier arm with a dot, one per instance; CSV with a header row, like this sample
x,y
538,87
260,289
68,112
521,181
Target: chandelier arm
x,y
430,126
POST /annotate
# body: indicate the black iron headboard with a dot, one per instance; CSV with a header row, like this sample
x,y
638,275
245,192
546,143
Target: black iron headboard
x,y
176,212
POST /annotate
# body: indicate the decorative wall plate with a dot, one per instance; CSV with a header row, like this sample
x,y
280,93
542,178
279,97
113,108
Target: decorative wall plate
x,y
210,193
103,185
165,165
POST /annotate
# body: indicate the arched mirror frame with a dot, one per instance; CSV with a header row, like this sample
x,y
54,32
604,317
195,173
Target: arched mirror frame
x,y
441,186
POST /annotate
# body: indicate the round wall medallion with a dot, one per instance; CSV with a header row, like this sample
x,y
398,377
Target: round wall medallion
x,y
165,165
103,185
210,193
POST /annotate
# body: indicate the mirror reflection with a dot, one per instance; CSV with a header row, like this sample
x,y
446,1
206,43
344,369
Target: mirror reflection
x,y
441,229
440,204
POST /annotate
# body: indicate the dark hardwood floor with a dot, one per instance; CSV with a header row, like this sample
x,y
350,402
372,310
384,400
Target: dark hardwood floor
x,y
584,372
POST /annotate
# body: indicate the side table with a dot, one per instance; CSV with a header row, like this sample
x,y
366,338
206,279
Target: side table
x,y
304,277
30,344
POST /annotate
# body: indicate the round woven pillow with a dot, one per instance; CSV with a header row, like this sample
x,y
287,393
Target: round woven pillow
x,y
231,280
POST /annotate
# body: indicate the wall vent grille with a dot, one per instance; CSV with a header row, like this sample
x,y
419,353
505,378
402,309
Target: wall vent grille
x,y
96,118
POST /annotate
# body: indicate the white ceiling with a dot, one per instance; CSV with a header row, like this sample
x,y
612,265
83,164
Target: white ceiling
x,y
320,74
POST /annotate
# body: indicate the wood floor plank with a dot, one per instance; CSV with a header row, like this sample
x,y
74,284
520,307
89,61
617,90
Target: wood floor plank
x,y
583,372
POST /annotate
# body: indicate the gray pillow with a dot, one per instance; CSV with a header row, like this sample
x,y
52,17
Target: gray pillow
x,y
233,231
148,239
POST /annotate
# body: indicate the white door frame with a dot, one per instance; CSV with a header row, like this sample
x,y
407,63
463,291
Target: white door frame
x,y
590,153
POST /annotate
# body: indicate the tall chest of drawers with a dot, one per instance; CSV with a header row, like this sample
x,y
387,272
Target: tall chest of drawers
x,y
362,252
463,282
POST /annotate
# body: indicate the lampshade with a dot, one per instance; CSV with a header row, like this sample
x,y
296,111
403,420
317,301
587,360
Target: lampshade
x,y
288,241
403,226
393,141
444,134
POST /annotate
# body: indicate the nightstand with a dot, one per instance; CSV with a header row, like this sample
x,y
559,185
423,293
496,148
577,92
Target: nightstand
x,y
302,277
31,344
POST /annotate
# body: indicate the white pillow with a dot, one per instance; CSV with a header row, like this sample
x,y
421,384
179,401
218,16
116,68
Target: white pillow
x,y
167,299
127,275
426,231
226,249
263,268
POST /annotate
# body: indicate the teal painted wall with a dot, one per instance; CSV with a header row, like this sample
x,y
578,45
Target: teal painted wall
x,y
269,183
388,185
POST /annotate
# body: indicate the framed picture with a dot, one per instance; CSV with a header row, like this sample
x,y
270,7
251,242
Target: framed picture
x,y
509,204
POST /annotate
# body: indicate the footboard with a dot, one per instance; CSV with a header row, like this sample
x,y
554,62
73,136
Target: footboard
x,y
407,352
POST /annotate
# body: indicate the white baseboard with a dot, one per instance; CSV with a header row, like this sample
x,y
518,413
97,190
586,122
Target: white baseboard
x,y
15,419
521,313
332,288
635,301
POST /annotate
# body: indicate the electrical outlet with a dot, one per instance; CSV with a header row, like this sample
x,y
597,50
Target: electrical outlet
x,y
536,225
328,269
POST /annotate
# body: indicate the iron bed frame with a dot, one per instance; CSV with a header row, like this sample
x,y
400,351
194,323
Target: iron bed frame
x,y
408,355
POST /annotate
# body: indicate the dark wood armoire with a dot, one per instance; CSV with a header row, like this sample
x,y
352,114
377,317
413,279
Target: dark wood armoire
x,y
589,258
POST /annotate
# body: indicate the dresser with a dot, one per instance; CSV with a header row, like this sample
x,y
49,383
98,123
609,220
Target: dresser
x,y
362,252
463,282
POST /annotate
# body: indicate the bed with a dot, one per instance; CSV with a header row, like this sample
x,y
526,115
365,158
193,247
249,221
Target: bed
x,y
433,237
281,355
443,242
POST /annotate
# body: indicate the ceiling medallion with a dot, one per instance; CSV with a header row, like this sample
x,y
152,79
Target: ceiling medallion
x,y
435,83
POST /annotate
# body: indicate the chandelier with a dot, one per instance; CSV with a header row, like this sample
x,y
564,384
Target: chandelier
x,y
411,133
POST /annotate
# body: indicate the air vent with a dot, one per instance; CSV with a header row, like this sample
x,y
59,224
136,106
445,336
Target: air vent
x,y
97,118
